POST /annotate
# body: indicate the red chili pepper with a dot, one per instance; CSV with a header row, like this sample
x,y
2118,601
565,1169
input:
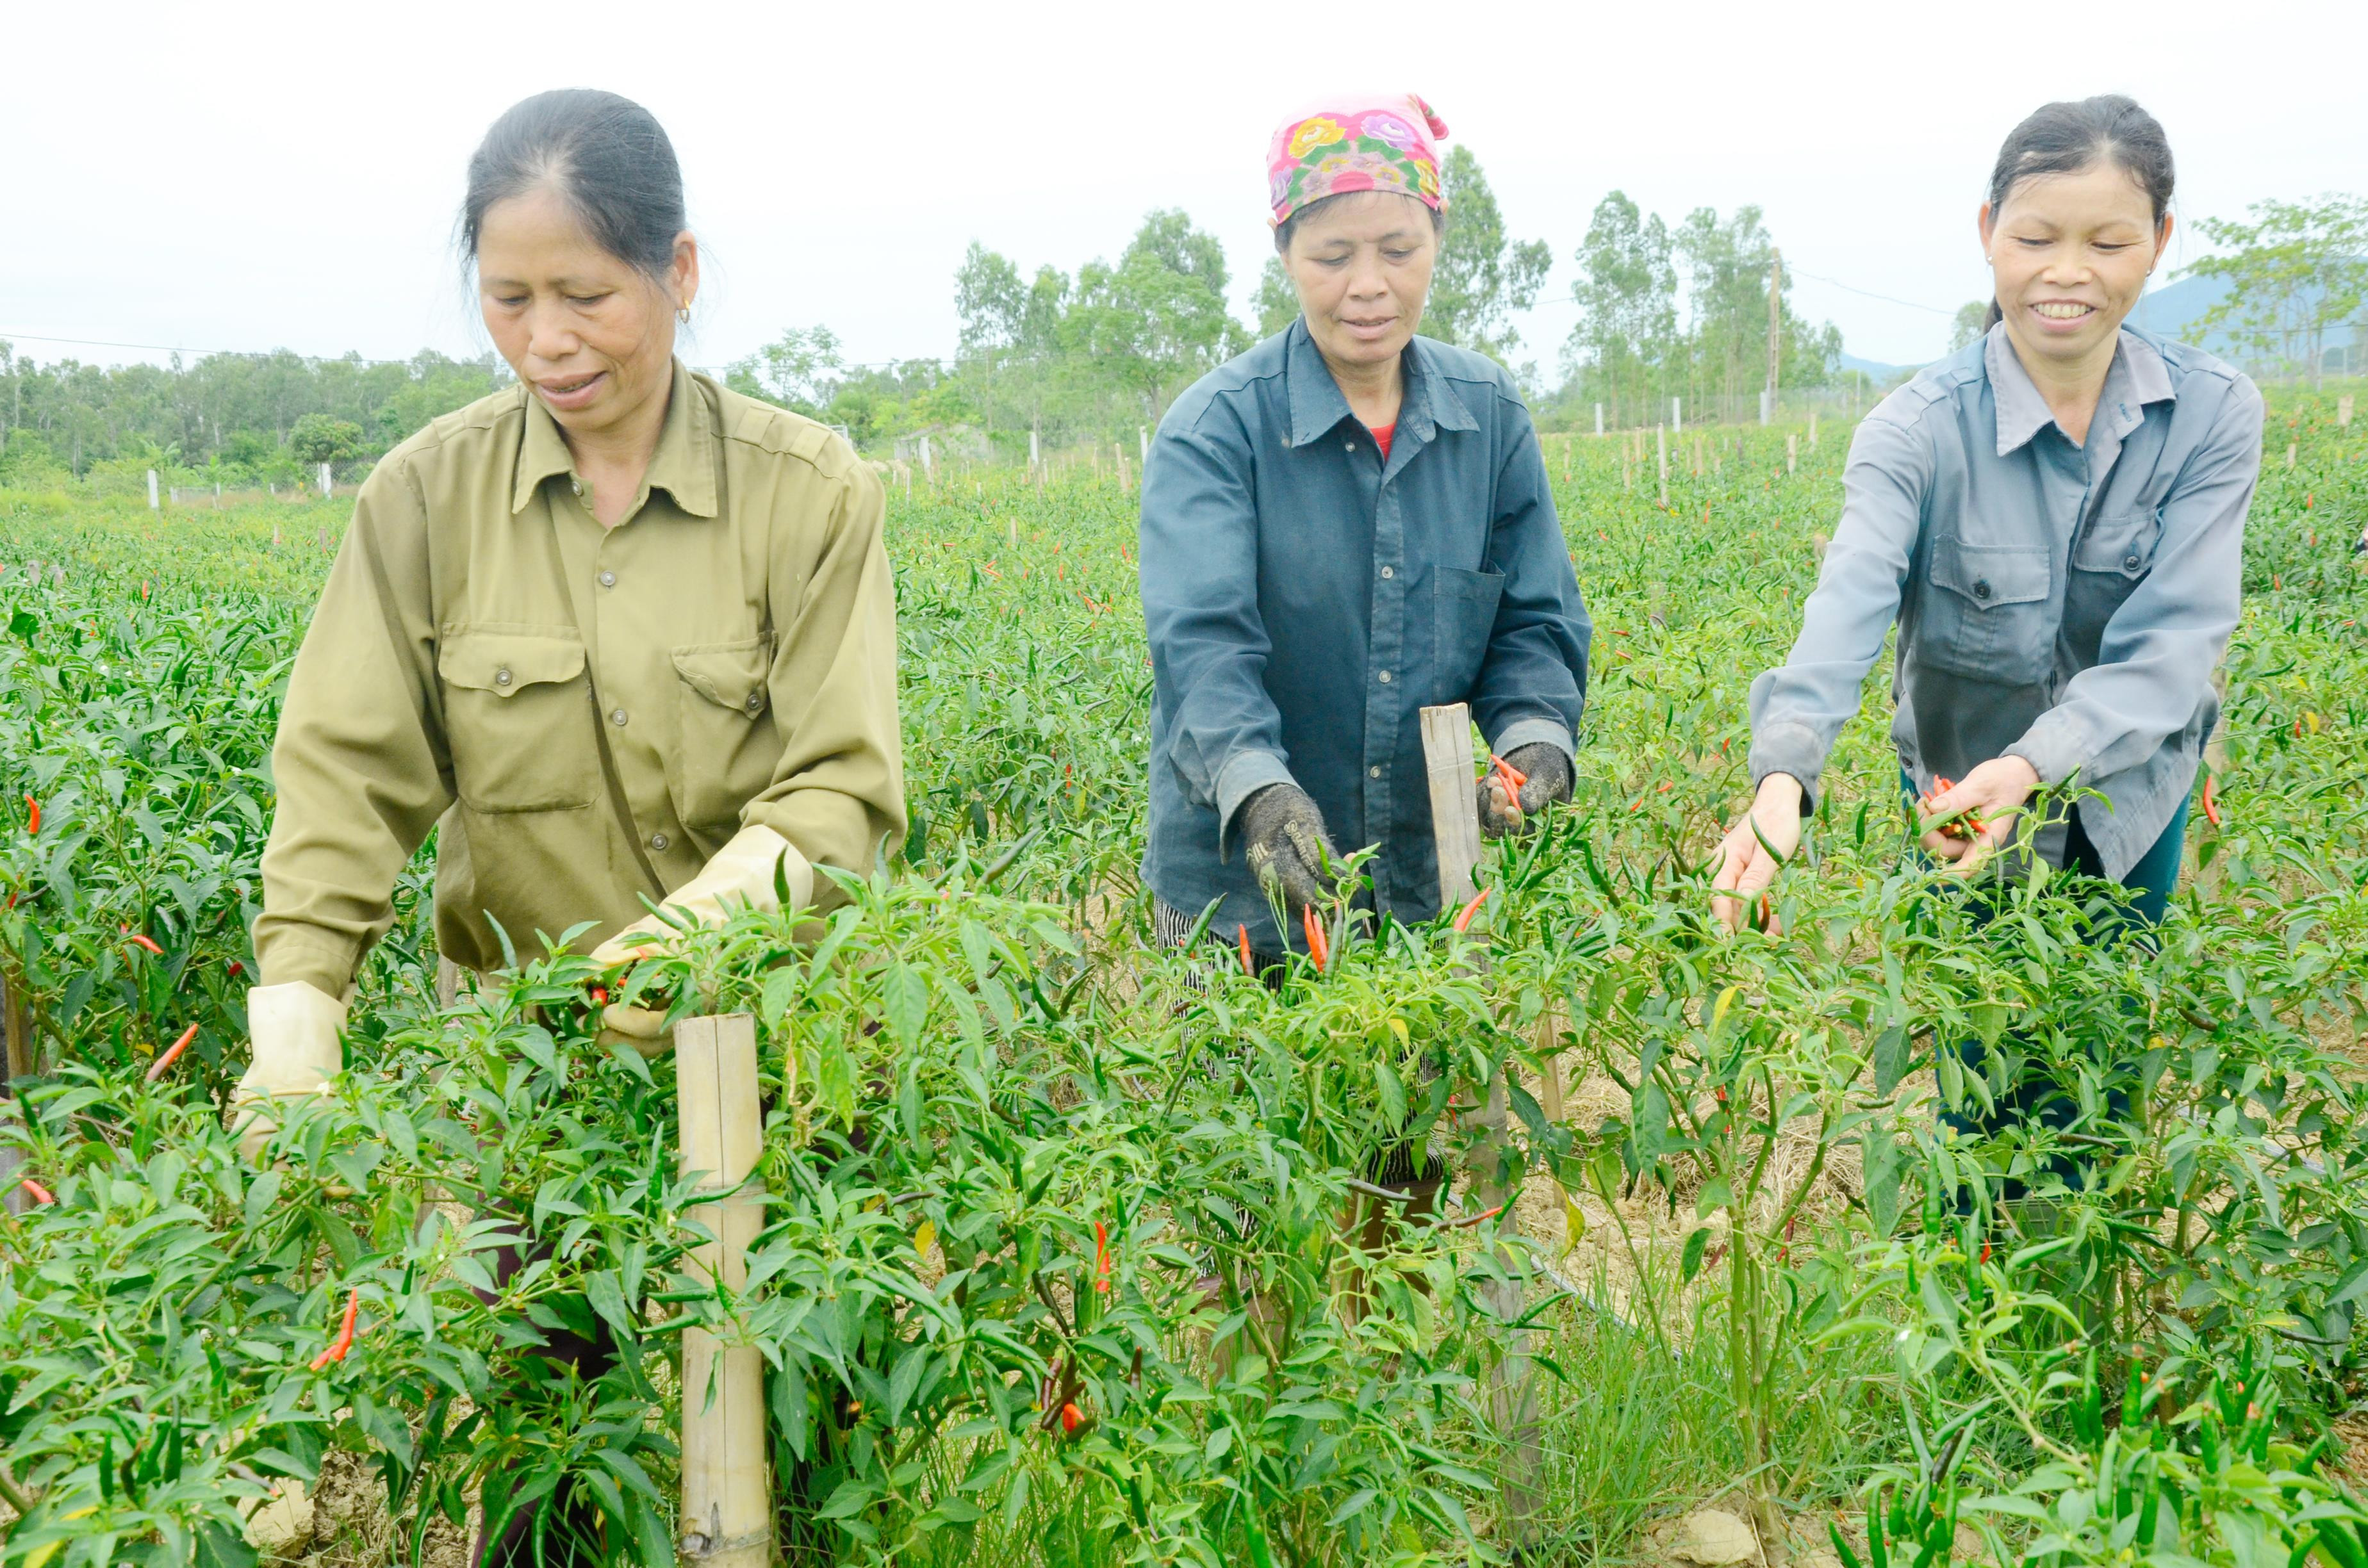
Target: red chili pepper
x,y
41,1194
1513,781
32,817
1101,1257
237,968
1986,1252
599,995
158,1068
1071,1418
2210,802
139,940
1317,948
1463,917
337,1348
1247,968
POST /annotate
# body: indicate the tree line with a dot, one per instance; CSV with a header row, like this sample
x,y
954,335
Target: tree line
x,y
1664,310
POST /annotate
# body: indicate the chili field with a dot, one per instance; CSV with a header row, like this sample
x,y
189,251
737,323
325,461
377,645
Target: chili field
x,y
1066,1259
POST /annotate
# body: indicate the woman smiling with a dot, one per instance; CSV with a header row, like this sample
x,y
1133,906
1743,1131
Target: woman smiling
x,y
2055,519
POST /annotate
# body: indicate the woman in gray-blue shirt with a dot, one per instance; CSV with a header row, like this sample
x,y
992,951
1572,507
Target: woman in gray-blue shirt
x,y
1344,525
2055,518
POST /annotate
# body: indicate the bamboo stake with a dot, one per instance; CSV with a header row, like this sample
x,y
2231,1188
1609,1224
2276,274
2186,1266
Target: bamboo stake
x,y
727,1505
20,1064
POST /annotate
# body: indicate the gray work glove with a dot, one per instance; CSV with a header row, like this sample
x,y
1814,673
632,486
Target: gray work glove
x,y
1284,843
1547,770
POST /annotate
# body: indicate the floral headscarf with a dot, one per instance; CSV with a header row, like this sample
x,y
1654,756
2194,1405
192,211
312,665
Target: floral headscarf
x,y
1373,141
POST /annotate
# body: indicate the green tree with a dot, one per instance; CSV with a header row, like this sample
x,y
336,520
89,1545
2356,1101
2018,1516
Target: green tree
x,y
318,438
2298,269
1157,319
1482,276
1276,301
1971,320
795,371
1627,298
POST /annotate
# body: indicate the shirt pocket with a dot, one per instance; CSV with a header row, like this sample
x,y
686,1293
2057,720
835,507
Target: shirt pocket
x,y
2119,546
1464,606
518,712
726,746
1988,617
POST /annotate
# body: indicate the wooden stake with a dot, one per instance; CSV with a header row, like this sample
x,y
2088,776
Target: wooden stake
x,y
2343,411
1454,819
1661,450
1792,452
727,1504
1813,429
2292,447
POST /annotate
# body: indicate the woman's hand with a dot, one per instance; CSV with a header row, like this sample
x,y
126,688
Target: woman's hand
x,y
1746,866
1987,802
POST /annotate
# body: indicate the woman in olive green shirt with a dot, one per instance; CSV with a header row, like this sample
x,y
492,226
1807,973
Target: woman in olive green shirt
x,y
623,633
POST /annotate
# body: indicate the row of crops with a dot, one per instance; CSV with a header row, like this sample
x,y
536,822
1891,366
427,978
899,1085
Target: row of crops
x,y
1068,1258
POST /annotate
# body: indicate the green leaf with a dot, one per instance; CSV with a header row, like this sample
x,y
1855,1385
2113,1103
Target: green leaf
x,y
905,999
1689,1263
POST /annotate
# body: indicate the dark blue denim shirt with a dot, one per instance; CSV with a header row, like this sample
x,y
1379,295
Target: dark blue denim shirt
x,y
1305,601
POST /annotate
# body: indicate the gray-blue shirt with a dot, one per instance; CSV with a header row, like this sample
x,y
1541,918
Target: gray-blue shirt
x,y
2059,602
1304,602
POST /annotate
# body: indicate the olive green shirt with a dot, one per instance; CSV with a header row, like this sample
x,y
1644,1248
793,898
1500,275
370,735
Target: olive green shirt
x,y
588,713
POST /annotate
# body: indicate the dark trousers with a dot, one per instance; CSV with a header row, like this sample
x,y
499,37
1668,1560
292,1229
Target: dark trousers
x,y
2034,1098
569,1526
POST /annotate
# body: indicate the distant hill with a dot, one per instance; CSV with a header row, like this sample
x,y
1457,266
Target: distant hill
x,y
1876,370
2172,310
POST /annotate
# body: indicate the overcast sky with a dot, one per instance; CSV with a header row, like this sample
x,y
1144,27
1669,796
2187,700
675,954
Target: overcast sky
x,y
255,176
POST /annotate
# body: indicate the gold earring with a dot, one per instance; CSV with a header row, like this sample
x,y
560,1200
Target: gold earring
x,y
682,313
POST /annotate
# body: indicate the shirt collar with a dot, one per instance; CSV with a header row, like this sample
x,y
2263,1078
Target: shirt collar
x,y
2136,378
683,466
1317,404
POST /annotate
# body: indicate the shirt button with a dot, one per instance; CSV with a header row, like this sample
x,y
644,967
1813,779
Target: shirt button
x,y
501,677
607,579
756,702
577,486
1388,572
618,717
1372,773
1385,678
658,841
1981,587
1348,446
2129,563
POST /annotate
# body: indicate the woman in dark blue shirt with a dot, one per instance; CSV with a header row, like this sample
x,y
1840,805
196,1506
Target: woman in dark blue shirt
x,y
1340,528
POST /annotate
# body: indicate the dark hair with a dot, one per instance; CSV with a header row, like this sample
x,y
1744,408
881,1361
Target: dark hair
x,y
1289,226
606,157
2066,138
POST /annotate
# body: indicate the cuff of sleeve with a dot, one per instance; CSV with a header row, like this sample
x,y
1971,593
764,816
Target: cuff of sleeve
x,y
1534,731
325,963
1245,774
2054,747
1793,749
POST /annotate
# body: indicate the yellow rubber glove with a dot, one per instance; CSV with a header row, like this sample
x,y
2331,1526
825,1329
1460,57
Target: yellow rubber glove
x,y
740,876
293,1030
